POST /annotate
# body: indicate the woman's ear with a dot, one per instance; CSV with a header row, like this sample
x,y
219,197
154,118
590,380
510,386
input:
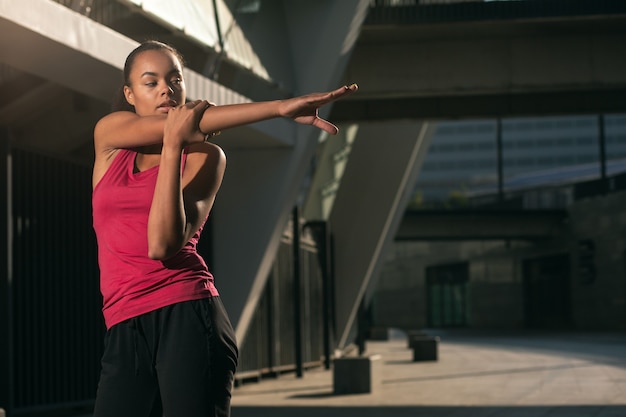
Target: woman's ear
x,y
128,94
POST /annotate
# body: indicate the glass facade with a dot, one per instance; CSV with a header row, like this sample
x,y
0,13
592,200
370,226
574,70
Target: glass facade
x,y
464,161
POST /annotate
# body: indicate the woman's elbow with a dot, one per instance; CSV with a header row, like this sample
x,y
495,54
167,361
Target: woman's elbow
x,y
156,254
161,252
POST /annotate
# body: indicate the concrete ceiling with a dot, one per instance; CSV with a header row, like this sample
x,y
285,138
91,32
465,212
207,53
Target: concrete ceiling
x,y
486,69
437,71
57,83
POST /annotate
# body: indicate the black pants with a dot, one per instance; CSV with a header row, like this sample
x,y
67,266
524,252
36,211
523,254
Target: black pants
x,y
179,360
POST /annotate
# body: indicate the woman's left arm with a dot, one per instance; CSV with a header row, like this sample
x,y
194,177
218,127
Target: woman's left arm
x,y
301,109
181,202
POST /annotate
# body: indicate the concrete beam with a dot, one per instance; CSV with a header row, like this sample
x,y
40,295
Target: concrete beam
x,y
480,225
475,69
576,57
371,199
261,186
539,104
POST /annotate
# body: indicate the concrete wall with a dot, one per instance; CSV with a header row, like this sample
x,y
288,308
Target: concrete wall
x,y
496,290
602,303
494,284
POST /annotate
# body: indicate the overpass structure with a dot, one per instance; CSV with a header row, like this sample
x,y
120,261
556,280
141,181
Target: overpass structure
x,y
60,64
437,225
463,59
427,61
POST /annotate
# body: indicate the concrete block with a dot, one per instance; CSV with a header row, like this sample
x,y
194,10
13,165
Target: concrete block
x,y
410,334
425,348
356,375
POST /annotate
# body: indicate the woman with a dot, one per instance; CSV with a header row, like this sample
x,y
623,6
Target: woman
x,y
169,348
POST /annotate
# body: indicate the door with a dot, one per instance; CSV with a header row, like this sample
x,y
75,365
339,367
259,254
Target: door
x,y
547,292
447,294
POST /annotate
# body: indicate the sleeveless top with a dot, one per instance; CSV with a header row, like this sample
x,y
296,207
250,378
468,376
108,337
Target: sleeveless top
x,y
131,283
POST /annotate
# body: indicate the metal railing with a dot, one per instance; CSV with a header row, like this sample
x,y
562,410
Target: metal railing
x,y
57,322
407,12
270,345
101,11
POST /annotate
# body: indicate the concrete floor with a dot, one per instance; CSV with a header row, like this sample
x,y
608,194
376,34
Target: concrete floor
x,y
477,374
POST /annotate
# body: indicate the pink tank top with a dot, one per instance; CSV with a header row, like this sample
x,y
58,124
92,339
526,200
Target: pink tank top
x,y
131,283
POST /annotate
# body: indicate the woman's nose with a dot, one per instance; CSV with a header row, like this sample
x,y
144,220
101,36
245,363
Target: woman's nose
x,y
168,90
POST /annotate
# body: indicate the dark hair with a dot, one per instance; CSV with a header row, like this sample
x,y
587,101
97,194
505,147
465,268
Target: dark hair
x,y
119,101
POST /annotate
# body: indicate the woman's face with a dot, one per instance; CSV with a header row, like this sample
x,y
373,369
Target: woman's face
x,y
156,83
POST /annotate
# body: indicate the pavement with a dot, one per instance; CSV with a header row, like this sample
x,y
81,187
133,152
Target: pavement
x,y
477,374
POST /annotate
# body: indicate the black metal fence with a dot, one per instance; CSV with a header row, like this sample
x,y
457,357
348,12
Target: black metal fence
x,y
271,344
56,317
55,335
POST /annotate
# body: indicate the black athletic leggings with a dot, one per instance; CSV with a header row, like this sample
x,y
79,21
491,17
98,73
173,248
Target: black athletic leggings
x,y
179,360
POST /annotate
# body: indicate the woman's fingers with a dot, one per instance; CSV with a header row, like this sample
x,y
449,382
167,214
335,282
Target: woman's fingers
x,y
183,122
337,94
325,125
193,104
343,91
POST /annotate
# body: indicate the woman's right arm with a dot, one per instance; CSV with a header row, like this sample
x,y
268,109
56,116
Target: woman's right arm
x,y
301,109
127,130
123,130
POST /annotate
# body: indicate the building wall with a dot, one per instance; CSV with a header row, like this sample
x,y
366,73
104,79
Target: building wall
x,y
600,304
462,158
494,285
495,293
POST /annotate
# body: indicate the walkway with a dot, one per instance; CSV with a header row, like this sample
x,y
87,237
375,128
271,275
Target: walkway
x,y
477,375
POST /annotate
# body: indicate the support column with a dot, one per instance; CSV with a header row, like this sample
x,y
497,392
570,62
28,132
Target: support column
x,y
602,154
321,236
262,184
6,274
297,291
376,186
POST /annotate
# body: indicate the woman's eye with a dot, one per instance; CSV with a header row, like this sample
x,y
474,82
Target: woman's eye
x,y
151,84
177,81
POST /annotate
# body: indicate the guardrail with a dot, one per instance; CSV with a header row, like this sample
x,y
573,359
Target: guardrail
x,y
408,12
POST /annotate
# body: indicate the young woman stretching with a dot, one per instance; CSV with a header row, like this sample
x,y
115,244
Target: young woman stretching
x,y
170,349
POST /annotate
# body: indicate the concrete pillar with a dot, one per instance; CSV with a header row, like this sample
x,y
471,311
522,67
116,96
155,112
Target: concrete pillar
x,y
377,183
262,184
6,274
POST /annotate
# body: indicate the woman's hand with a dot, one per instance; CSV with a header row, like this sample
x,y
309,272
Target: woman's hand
x,y
304,109
182,124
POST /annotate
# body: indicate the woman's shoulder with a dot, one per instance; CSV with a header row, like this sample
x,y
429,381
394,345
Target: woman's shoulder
x,y
115,117
109,125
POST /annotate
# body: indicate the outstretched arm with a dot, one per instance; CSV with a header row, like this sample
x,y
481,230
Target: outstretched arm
x,y
181,203
301,109
124,130
127,130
